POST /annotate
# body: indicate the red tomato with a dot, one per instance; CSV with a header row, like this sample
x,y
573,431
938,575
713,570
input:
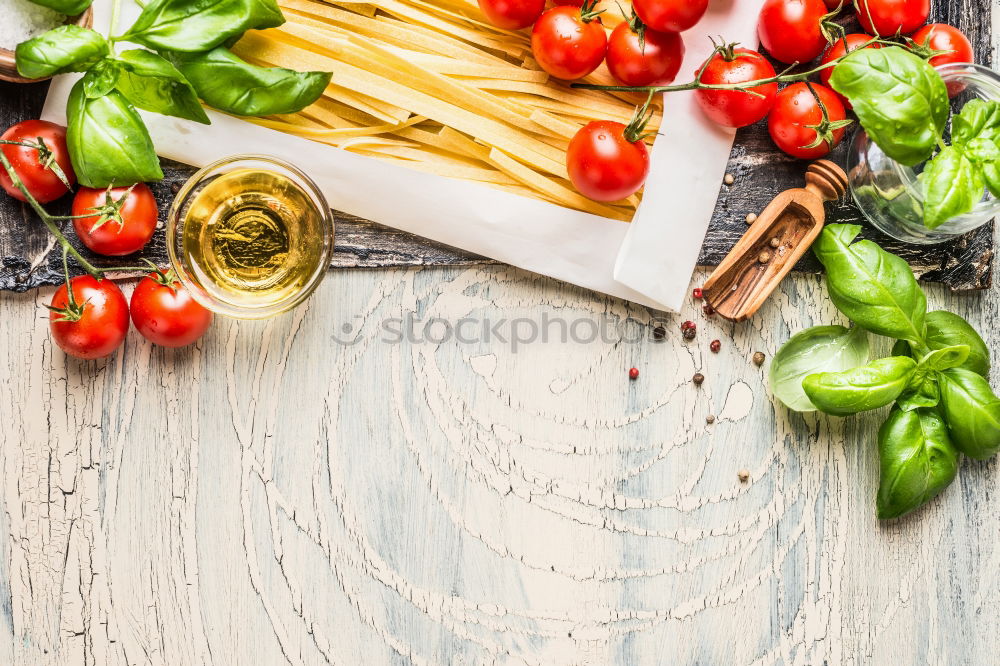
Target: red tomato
x,y
94,323
164,312
568,3
512,14
943,37
29,162
790,29
888,17
638,56
736,108
122,223
836,50
603,164
796,121
670,15
569,43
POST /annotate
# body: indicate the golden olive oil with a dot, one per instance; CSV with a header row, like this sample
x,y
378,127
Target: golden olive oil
x,y
253,237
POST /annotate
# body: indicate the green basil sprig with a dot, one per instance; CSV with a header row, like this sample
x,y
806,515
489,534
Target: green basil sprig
x,y
67,7
226,82
860,389
917,460
186,25
874,288
68,48
900,100
107,140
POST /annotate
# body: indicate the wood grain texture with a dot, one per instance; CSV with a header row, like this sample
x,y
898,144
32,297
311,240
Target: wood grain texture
x,y
275,496
761,171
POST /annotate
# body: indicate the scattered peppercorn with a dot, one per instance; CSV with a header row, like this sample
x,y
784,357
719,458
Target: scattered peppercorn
x,y
708,310
758,358
175,187
729,179
633,373
715,346
686,324
710,418
688,334
744,475
697,293
751,218
698,378
775,242
764,257
659,333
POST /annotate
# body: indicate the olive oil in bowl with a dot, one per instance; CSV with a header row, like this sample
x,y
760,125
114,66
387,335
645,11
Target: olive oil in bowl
x,y
251,237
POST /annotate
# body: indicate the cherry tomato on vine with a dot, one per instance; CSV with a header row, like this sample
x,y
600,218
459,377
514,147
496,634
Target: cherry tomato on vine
x,y
888,17
736,108
797,125
512,14
123,220
943,37
607,161
568,3
39,165
569,43
670,15
93,322
164,312
836,50
790,30
639,56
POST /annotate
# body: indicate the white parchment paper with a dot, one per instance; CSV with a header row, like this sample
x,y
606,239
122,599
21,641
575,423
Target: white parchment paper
x,y
648,261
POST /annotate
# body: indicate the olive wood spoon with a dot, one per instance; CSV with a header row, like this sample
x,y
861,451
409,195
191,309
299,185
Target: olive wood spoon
x,y
779,236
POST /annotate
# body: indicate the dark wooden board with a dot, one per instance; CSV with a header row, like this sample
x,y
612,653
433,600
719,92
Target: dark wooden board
x,y
761,171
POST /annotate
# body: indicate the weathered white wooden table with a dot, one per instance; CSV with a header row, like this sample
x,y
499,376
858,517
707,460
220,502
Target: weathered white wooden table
x,y
306,491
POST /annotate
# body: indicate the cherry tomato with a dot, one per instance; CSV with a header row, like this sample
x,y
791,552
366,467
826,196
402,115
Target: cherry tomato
x,y
943,37
568,3
512,14
836,50
94,323
639,56
736,108
604,164
888,17
569,43
796,117
123,222
790,29
164,312
670,15
42,181
834,4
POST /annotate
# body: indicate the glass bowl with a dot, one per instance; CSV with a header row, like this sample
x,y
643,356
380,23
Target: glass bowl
x,y
888,193
250,236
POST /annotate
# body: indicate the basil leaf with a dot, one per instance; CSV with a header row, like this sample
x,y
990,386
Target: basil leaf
x,y
972,412
978,119
901,102
226,82
150,82
917,460
874,288
199,25
816,349
946,329
67,7
921,391
951,186
946,357
101,78
68,48
857,390
107,140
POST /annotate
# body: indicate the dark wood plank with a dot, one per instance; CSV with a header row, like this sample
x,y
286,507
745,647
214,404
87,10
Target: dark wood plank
x,y
760,169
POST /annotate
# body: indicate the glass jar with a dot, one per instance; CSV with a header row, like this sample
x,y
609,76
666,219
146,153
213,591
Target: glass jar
x,y
888,193
250,236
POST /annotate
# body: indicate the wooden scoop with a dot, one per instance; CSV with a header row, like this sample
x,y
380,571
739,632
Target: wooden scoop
x,y
779,236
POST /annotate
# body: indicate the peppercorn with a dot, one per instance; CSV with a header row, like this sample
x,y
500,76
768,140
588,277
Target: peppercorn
x,y
698,378
708,310
688,333
697,293
175,187
751,218
764,257
686,324
775,242
715,346
659,333
633,373
758,358
744,475
710,419
729,179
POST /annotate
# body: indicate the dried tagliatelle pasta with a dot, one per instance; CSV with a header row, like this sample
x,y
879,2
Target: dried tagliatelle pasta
x,y
429,84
